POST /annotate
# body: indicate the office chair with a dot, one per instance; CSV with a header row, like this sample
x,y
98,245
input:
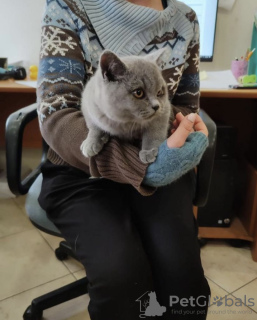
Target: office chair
x,y
31,185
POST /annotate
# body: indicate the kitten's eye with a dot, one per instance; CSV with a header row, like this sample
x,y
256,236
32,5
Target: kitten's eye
x,y
138,93
160,93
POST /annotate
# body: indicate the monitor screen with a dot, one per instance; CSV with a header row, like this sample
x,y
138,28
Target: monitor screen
x,y
206,11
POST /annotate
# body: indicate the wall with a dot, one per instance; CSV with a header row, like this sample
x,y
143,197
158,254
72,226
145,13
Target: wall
x,y
20,29
20,32
233,34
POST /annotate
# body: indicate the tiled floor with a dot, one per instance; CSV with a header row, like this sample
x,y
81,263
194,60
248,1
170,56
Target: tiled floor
x,y
29,268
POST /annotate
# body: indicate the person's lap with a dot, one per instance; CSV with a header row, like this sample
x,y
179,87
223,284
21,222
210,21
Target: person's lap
x,y
168,231
126,242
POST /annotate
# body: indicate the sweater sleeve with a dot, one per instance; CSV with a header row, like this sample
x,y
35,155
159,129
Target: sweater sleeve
x,y
172,163
63,71
187,96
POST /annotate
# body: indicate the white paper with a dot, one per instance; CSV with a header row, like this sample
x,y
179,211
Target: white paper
x,y
32,84
218,80
226,4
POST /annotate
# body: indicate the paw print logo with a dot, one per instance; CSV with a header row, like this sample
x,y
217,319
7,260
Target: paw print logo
x,y
217,301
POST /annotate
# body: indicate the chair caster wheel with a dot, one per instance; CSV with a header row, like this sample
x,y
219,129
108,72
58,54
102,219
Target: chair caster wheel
x,y
60,255
31,314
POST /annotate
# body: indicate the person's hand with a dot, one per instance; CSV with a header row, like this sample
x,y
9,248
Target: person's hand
x,y
183,126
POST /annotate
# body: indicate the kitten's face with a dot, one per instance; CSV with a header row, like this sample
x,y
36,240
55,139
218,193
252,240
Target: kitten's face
x,y
138,93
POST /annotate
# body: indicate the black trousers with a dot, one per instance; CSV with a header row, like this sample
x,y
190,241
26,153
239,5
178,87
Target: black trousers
x,y
130,245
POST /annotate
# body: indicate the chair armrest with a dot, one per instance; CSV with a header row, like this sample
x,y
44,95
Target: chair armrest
x,y
14,130
205,167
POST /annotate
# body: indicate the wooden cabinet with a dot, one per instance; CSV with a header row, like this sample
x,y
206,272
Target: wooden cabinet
x,y
13,97
238,108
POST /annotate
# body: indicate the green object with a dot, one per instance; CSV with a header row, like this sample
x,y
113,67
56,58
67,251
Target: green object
x,y
250,85
252,65
249,79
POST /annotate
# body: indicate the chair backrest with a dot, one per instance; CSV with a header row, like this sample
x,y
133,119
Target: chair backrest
x,y
14,130
35,213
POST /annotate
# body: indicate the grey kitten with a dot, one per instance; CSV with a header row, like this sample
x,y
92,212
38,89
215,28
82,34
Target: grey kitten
x,y
128,98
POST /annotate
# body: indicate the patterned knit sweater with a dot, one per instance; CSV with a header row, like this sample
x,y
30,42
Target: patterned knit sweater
x,y
74,34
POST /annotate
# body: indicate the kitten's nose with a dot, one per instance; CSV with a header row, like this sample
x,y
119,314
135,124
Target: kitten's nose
x,y
156,107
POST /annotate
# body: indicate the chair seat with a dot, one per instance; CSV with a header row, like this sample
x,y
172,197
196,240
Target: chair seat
x,y
35,213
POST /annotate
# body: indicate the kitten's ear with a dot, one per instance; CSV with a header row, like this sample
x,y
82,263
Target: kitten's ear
x,y
157,56
112,67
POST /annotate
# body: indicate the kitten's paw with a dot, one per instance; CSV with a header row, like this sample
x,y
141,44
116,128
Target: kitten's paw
x,y
148,156
105,138
91,147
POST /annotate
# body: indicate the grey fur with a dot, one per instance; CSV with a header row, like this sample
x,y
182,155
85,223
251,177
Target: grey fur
x,y
110,107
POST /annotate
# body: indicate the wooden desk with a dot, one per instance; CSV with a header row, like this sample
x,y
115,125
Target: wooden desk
x,y
229,93
233,107
14,96
10,86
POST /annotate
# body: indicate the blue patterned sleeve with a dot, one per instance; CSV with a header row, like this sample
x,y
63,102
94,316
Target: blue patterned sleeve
x,y
172,163
62,76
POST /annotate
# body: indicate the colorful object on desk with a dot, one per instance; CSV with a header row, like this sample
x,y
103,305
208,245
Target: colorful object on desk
x,y
3,63
239,68
247,53
17,73
248,79
250,54
252,66
33,72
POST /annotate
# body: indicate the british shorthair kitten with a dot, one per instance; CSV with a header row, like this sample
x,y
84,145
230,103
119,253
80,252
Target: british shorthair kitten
x,y
128,98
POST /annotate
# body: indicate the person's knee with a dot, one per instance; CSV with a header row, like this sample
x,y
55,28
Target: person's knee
x,y
122,276
120,272
193,281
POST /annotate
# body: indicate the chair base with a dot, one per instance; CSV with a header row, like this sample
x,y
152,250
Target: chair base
x,y
58,296
64,251
54,298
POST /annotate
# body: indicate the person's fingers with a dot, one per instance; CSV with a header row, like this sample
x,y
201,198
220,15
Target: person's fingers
x,y
180,117
200,125
175,123
178,138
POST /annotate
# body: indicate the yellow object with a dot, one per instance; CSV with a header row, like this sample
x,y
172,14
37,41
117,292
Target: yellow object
x,y
250,54
33,69
33,72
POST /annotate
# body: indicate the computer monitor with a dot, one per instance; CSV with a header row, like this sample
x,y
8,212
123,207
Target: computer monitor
x,y
206,11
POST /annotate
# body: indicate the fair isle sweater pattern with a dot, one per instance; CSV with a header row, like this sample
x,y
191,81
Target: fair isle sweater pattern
x,y
74,34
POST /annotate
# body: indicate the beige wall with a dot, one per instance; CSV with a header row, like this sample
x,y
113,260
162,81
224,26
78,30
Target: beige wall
x,y
20,31
233,36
